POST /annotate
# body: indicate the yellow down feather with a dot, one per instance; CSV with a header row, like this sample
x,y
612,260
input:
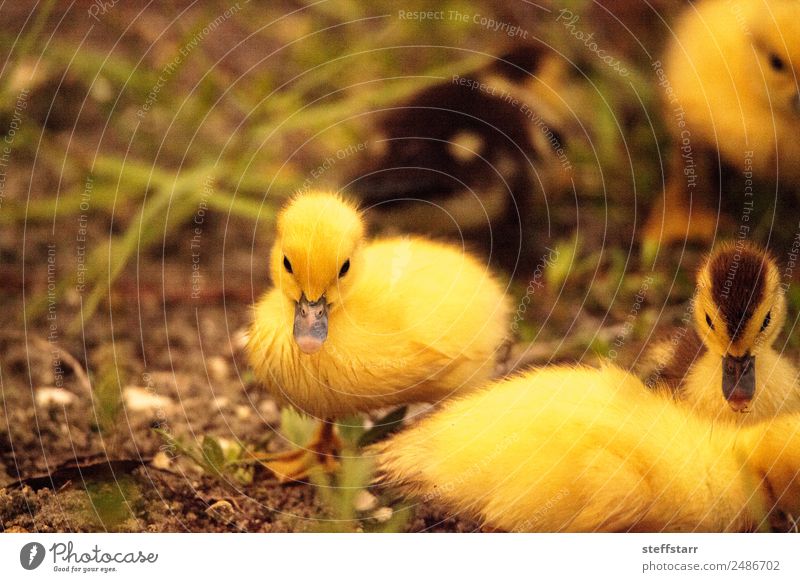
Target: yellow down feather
x,y
413,320
733,66
580,449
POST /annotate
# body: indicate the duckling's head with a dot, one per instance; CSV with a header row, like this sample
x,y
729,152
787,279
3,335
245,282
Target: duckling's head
x,y
315,260
739,310
775,38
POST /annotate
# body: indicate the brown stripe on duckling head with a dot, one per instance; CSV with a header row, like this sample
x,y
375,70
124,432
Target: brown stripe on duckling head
x,y
737,277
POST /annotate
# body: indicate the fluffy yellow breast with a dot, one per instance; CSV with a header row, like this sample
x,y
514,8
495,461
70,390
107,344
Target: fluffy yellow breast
x,y
776,389
421,321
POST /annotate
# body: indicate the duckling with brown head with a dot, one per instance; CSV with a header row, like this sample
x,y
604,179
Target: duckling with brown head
x,y
726,366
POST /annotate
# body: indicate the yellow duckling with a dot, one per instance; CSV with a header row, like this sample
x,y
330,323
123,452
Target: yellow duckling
x,y
725,366
351,325
586,450
730,90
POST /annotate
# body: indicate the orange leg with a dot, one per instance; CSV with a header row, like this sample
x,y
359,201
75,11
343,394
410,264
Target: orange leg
x,y
297,464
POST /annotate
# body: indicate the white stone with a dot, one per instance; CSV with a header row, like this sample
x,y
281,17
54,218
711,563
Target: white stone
x,y
218,368
383,514
50,396
365,501
141,399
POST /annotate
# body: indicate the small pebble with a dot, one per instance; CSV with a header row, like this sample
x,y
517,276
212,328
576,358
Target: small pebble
x,y
102,90
218,368
365,501
228,446
140,399
382,514
221,508
161,461
48,397
269,411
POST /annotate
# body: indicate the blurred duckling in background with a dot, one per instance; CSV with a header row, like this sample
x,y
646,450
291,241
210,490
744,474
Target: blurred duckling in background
x,y
475,157
725,366
352,326
730,89
587,450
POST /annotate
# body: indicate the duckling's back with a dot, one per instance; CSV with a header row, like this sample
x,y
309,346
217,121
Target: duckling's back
x,y
438,293
572,449
443,312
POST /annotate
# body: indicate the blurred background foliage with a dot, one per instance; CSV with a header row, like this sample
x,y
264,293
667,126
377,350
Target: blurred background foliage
x,y
253,103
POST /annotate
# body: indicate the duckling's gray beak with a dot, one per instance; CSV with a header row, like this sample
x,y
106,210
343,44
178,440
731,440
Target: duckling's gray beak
x,y
310,324
739,381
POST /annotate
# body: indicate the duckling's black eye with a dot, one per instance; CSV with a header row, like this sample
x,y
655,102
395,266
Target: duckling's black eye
x,y
286,264
776,62
767,319
345,268
708,321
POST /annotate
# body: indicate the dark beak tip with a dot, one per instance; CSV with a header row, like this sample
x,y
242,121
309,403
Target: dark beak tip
x,y
739,404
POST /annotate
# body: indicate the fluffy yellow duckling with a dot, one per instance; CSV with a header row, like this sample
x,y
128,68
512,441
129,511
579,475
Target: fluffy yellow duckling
x,y
354,325
586,450
725,367
730,79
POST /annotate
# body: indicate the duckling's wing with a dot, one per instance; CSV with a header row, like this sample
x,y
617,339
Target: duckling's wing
x,y
669,361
